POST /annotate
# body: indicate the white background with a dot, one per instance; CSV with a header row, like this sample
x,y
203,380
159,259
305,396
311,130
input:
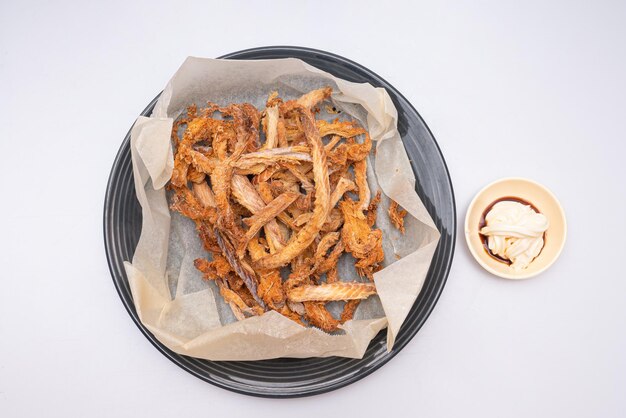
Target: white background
x,y
535,89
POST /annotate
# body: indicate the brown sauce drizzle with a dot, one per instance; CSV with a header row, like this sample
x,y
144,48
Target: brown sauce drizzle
x,y
482,223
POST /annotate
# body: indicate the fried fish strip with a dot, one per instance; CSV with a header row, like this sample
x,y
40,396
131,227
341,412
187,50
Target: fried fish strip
x,y
198,129
358,152
270,284
246,119
271,289
184,202
212,270
334,221
263,216
204,194
195,176
331,144
343,185
207,236
266,157
245,193
271,133
293,315
239,266
303,238
306,184
325,244
201,162
221,178
332,259
372,208
232,297
317,315
313,97
265,192
362,242
331,291
349,309
347,129
397,215
360,177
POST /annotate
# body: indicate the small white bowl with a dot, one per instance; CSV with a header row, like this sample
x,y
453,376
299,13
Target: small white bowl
x,y
538,196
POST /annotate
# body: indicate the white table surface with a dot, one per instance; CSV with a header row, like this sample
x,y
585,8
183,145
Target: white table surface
x,y
535,89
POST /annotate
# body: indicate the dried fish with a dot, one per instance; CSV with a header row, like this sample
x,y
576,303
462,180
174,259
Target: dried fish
x,y
331,291
397,214
259,207
306,235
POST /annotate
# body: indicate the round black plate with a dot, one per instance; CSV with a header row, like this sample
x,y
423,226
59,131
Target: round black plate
x,y
283,378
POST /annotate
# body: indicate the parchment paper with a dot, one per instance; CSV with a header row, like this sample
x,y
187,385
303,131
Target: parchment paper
x,y
187,313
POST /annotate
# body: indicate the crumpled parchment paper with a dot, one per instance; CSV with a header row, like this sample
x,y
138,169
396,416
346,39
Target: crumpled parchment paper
x,y
187,313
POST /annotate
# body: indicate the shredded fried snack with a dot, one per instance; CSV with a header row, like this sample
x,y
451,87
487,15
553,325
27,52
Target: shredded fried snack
x,y
348,310
397,215
318,316
332,291
306,235
282,207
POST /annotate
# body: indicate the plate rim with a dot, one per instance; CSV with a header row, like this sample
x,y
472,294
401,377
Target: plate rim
x,y
362,373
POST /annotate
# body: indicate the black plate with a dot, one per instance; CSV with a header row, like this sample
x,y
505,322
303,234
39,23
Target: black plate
x,y
283,378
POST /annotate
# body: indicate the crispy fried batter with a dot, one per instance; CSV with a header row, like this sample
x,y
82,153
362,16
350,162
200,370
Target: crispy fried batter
x,y
397,215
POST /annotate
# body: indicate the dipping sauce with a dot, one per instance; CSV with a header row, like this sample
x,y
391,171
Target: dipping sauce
x,y
513,231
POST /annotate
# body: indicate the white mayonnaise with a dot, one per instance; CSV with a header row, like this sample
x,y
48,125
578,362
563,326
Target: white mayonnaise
x,y
515,232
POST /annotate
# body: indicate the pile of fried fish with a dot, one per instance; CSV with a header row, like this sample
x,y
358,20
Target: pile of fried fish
x,y
278,197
